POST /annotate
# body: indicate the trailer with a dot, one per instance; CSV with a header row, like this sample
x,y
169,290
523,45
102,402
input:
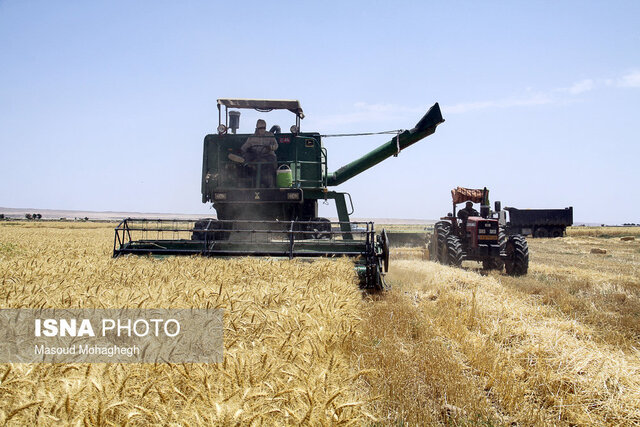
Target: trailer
x,y
539,222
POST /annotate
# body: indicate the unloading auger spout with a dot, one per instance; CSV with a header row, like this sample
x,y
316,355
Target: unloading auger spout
x,y
425,127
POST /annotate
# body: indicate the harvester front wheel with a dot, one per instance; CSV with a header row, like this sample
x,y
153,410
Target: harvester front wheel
x,y
517,261
209,229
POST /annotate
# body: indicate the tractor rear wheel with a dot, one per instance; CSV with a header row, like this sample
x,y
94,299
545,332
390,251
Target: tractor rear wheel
x,y
517,261
438,247
454,251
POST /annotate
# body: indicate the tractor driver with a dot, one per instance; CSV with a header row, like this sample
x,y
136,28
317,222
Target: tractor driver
x,y
467,212
260,147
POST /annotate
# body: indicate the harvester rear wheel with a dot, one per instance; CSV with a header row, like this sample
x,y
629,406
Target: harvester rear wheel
x,y
517,261
454,251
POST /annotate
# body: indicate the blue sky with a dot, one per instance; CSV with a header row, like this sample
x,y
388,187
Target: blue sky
x,y
104,105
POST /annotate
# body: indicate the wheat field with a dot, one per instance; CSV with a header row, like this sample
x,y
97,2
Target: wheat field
x,y
288,331
304,346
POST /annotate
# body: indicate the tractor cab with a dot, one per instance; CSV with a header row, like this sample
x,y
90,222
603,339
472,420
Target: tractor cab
x,y
473,227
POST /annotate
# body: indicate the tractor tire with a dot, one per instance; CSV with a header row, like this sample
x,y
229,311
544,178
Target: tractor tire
x,y
438,247
517,261
454,251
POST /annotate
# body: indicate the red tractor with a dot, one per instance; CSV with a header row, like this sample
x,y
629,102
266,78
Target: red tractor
x,y
477,236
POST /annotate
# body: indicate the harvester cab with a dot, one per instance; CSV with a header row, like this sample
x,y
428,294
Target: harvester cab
x,y
478,236
265,187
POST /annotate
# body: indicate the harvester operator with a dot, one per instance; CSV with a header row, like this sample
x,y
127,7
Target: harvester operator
x,y
468,211
260,148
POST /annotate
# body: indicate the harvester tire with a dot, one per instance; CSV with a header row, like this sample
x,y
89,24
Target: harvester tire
x,y
454,251
209,229
517,261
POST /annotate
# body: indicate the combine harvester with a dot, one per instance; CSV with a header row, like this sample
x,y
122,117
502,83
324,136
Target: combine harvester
x,y
264,212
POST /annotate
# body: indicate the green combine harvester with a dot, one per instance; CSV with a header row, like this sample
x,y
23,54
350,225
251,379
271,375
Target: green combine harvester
x,y
266,197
